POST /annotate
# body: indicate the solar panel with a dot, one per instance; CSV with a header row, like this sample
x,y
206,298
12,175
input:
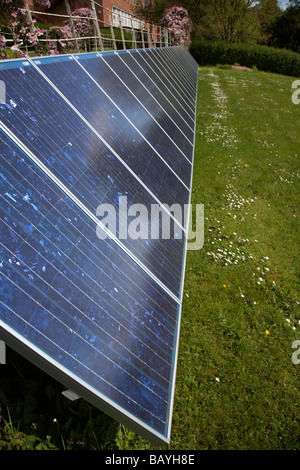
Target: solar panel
x,y
98,309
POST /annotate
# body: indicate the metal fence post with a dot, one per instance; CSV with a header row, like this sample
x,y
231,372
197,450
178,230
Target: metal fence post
x,y
112,30
98,32
149,37
29,17
142,33
133,35
122,32
72,24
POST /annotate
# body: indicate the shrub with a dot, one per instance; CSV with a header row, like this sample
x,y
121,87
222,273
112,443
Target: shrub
x,y
267,59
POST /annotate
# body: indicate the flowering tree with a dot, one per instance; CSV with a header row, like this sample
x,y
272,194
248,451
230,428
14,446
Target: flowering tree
x,y
19,29
45,3
177,20
83,22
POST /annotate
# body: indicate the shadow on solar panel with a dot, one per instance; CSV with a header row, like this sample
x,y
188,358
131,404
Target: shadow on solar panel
x,y
91,145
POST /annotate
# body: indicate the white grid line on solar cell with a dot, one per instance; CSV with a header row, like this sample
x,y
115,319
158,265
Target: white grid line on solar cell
x,y
186,75
87,211
67,327
107,144
165,66
168,80
153,97
139,132
77,248
170,254
172,393
187,59
174,143
177,111
168,76
35,273
164,80
76,378
89,298
186,79
124,274
74,175
190,198
137,241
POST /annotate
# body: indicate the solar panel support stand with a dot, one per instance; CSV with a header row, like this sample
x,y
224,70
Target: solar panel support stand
x,y
2,352
71,395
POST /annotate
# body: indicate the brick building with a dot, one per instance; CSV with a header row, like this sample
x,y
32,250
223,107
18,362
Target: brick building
x,y
118,8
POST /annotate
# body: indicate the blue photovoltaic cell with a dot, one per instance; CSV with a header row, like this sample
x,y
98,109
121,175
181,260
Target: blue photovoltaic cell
x,y
105,117
165,101
79,299
172,66
101,314
166,87
164,133
65,144
179,88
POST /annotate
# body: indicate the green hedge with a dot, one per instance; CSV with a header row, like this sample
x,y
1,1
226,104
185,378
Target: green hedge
x,y
267,59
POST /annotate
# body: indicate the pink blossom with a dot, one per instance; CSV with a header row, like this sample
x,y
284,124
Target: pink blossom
x,y
45,3
83,21
177,20
15,48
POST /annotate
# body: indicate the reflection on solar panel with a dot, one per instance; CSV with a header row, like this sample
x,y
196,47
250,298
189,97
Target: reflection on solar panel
x,y
100,313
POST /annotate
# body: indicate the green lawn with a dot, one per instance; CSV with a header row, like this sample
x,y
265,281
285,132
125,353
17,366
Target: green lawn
x,y
237,387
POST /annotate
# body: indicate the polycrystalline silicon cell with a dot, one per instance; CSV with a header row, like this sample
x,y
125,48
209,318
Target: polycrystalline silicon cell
x,y
167,76
165,100
100,314
142,108
169,61
81,300
109,115
67,146
160,81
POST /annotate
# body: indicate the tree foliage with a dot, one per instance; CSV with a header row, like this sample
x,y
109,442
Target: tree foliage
x,y
285,31
252,21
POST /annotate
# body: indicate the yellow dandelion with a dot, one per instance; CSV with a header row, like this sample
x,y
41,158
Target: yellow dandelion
x,y
267,332
224,285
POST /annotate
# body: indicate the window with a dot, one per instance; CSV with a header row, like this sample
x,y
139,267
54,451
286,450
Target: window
x,y
127,19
